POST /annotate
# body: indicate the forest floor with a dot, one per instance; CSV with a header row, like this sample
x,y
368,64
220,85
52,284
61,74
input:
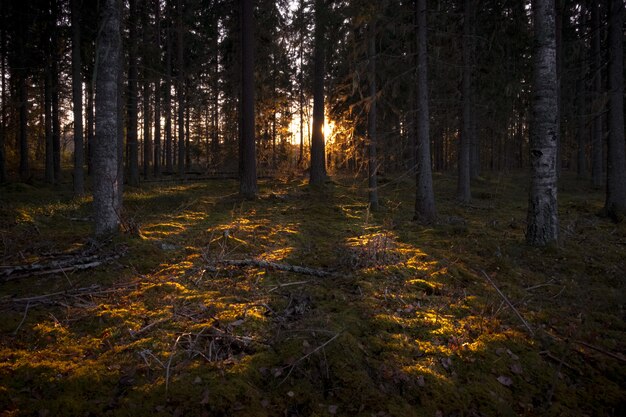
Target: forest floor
x,y
409,321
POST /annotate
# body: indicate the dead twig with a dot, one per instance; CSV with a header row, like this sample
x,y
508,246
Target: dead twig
x,y
288,284
317,349
135,334
23,319
504,297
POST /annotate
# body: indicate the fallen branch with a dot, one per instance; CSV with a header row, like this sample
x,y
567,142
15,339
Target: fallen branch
x,y
59,266
603,351
288,284
90,291
272,265
530,330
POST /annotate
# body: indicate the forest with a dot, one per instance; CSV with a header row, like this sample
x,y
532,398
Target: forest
x,y
312,208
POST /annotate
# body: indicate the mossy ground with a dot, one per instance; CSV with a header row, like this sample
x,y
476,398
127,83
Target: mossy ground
x,y
407,326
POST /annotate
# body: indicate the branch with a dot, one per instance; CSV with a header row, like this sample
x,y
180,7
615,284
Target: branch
x,y
272,265
530,330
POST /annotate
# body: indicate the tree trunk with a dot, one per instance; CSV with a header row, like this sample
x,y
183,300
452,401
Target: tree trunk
x,y
56,119
247,182
180,86
371,128
90,124
106,178
318,152
616,162
463,184
581,131
543,225
597,108
157,96
22,99
49,154
77,102
147,91
3,118
169,162
131,134
425,198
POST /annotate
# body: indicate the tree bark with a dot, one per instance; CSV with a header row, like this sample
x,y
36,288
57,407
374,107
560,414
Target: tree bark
x,y
425,198
77,102
543,225
131,133
90,123
169,162
463,184
54,68
247,183
372,162
597,141
157,95
317,174
3,117
180,86
146,90
49,153
616,154
106,173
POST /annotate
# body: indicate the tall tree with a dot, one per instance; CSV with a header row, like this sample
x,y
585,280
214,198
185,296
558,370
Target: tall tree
x,y
616,165
247,182
3,85
463,184
55,87
180,88
106,196
318,153
169,161
543,224
131,133
146,88
157,93
371,129
597,139
425,197
19,80
77,102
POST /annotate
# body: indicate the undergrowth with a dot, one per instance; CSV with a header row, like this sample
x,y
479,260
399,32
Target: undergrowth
x,y
405,325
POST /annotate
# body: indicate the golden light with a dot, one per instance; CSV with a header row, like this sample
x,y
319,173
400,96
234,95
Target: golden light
x,y
294,129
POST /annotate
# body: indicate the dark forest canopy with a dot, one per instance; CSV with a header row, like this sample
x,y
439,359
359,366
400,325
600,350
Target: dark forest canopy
x,y
313,78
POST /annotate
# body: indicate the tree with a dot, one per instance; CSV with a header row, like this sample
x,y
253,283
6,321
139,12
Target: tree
x,y
106,174
77,102
146,89
543,224
597,141
180,87
157,93
615,205
372,162
317,174
463,184
247,181
3,85
425,197
131,133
